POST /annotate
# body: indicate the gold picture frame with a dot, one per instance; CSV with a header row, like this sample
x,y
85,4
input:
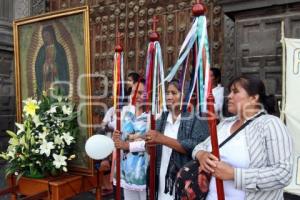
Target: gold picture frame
x,y
70,40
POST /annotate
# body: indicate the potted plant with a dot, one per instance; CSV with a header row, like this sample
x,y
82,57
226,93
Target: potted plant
x,y
42,144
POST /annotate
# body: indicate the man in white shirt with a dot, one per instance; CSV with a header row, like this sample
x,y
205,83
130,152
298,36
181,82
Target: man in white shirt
x,y
218,90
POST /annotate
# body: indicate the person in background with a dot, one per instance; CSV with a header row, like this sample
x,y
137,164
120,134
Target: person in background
x,y
106,128
217,91
108,123
134,159
132,78
176,136
257,162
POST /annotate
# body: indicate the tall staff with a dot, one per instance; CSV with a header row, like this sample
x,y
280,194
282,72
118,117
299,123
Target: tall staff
x,y
118,98
196,44
155,94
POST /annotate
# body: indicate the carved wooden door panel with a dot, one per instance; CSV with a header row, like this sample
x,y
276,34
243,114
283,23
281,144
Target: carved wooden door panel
x,y
259,50
133,19
258,46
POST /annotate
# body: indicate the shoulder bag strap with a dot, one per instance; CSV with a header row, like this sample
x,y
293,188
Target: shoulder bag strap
x,y
239,129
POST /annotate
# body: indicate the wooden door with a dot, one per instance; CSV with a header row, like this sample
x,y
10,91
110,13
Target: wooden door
x,y
257,41
133,19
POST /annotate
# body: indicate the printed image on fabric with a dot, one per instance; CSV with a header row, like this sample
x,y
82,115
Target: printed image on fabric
x,y
134,164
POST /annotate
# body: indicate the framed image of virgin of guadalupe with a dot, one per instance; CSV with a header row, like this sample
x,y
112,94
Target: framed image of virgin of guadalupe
x,y
53,51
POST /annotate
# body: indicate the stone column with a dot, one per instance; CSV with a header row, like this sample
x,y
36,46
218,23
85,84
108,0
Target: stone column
x,y
25,8
7,87
7,94
21,8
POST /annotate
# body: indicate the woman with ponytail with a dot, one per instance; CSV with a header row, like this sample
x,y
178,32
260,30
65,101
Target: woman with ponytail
x,y
257,162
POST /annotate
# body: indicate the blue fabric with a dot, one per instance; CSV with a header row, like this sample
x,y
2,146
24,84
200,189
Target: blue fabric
x,y
134,164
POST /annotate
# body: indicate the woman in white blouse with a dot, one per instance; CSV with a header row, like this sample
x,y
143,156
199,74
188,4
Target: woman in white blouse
x,y
176,135
257,162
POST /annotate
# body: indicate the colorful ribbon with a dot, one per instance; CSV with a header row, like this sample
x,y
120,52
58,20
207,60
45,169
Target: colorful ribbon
x,y
155,79
118,92
197,39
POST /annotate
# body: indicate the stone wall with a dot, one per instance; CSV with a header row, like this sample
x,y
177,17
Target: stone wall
x,y
7,93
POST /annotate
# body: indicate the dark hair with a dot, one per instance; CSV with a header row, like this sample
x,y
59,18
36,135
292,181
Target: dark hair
x,y
135,76
175,83
255,86
142,80
217,74
50,30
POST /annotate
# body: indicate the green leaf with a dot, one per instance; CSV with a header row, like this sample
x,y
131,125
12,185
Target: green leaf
x,y
12,134
19,176
23,141
32,141
8,172
13,141
3,156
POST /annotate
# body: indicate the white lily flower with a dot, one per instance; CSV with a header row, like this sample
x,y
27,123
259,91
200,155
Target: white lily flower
x,y
59,98
52,109
20,127
68,138
36,121
46,148
66,110
58,140
59,161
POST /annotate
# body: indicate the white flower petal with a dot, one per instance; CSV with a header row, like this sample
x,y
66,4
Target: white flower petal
x,y
59,161
46,148
20,127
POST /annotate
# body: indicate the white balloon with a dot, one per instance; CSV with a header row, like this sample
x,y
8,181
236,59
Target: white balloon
x,y
99,147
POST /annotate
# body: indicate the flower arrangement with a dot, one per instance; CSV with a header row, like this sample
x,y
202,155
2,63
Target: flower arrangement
x,y
43,143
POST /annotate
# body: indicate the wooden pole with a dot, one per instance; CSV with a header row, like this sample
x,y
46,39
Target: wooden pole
x,y
99,181
118,49
152,149
212,123
198,10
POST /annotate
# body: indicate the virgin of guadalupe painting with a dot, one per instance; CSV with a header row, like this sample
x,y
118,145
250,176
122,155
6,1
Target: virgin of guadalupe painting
x,y
53,59
52,51
51,63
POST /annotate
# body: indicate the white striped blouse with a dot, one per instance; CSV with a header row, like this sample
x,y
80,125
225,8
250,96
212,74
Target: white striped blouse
x,y
270,148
